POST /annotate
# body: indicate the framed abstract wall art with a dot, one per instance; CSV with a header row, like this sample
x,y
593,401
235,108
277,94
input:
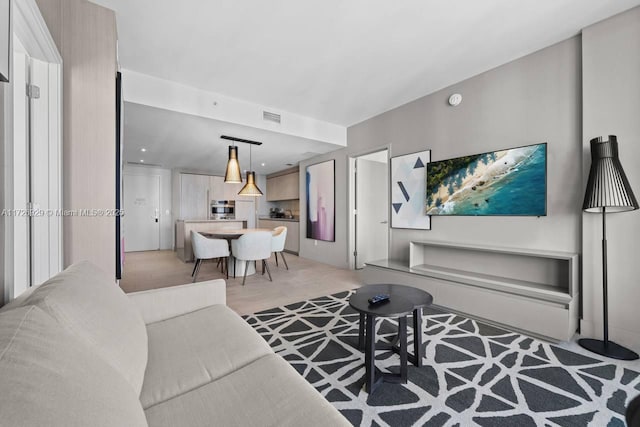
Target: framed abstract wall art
x,y
408,190
321,200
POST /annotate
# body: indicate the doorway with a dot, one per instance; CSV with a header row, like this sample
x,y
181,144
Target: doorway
x,y
141,221
370,200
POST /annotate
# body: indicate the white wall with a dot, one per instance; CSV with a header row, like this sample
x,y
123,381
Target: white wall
x,y
611,98
166,215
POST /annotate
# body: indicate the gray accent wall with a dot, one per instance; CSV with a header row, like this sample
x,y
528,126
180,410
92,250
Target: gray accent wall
x,y
611,94
566,94
531,100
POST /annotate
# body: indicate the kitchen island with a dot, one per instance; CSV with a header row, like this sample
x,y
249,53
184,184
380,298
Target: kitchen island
x,y
184,228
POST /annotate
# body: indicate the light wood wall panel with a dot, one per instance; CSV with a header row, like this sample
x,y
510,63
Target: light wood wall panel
x,y
86,37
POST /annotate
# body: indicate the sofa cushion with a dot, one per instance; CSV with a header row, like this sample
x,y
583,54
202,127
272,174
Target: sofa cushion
x,y
48,377
268,392
90,304
188,351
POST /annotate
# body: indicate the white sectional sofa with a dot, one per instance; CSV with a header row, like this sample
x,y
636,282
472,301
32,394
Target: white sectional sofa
x,y
77,351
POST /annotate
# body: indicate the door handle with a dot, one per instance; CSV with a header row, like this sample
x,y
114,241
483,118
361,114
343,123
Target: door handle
x,y
384,222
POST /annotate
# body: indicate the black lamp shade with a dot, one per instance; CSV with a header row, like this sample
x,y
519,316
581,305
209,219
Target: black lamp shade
x,y
608,186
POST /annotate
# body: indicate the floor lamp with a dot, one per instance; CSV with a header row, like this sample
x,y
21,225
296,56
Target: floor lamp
x,y
608,191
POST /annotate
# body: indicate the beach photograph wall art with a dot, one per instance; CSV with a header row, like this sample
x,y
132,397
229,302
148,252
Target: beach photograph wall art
x,y
408,187
504,182
321,201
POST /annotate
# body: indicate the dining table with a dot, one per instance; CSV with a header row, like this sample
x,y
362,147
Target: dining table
x,y
234,268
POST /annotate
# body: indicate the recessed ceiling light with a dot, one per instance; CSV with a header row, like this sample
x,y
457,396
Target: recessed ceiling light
x,y
143,150
141,161
263,164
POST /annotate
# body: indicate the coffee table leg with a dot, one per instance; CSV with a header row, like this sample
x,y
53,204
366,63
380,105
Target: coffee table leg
x,y
402,333
417,337
361,331
370,354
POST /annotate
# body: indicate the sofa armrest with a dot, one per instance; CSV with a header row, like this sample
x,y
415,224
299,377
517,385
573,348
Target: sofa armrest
x,y
163,303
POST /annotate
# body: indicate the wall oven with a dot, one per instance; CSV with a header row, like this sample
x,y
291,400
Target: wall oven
x,y
223,209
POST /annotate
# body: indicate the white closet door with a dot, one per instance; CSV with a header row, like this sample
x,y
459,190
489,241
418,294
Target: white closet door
x,y
21,246
39,173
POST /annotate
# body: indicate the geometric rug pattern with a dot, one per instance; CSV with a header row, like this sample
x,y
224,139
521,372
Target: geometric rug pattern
x,y
473,373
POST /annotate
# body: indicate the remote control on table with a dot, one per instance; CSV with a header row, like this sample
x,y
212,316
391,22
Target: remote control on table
x,y
377,299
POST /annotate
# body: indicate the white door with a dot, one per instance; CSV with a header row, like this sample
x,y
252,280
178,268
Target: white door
x,y
141,220
32,167
43,227
21,223
35,173
372,208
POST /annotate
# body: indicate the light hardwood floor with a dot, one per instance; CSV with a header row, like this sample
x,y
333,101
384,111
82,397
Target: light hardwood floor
x,y
305,279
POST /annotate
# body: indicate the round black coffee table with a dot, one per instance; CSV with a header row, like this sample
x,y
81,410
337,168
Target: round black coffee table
x,y
398,307
419,298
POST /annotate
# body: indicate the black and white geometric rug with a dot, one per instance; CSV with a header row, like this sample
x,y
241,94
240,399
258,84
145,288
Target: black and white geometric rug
x,y
473,374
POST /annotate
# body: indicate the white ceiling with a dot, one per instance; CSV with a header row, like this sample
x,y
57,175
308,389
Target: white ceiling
x,y
177,140
335,60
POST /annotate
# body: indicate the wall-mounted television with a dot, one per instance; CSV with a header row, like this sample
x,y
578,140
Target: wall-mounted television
x,y
504,182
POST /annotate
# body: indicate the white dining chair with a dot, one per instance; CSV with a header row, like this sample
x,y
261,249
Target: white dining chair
x,y
253,246
206,248
277,243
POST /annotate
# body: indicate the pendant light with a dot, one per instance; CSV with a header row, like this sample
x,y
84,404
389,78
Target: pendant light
x,y
232,175
250,188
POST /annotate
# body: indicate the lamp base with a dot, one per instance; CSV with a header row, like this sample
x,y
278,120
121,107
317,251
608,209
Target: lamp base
x,y
610,349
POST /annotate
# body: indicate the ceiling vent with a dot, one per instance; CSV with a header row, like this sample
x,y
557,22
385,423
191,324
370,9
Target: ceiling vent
x,y
271,117
144,164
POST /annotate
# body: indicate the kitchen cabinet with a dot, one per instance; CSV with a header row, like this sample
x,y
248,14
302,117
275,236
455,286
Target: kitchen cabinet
x,y
216,188
283,187
246,211
193,193
231,190
292,242
220,190
194,196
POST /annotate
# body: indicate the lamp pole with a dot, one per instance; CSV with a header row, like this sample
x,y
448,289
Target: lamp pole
x,y
605,299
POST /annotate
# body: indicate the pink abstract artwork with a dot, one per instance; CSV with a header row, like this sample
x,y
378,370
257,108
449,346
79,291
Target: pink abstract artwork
x,y
321,201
